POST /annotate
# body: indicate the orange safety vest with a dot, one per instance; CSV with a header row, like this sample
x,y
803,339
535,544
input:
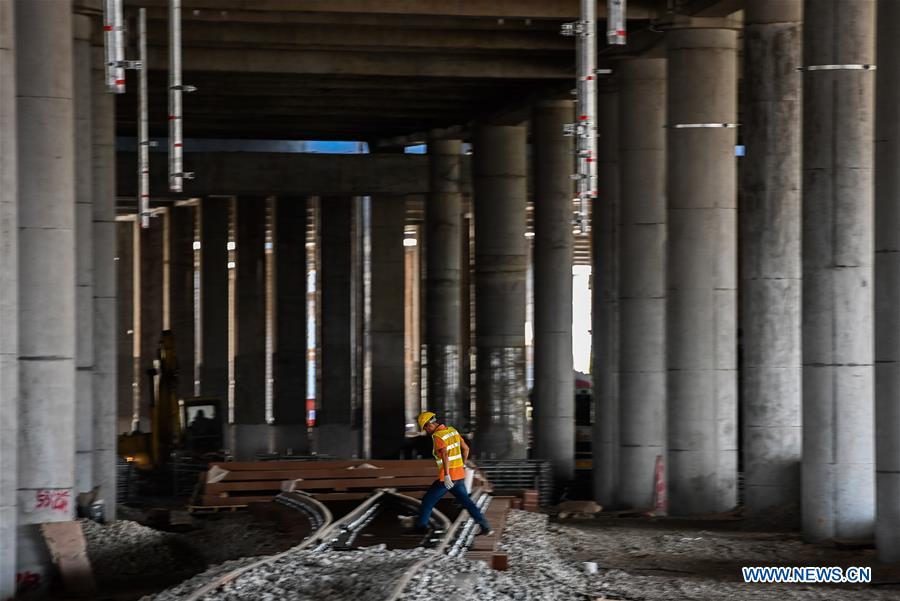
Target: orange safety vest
x,y
451,439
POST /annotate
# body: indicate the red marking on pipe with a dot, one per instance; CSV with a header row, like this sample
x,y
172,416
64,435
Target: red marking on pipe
x,y
107,28
172,117
145,196
621,32
589,78
177,145
120,82
589,160
583,117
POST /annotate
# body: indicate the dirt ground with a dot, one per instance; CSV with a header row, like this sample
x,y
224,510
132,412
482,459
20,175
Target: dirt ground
x,y
652,559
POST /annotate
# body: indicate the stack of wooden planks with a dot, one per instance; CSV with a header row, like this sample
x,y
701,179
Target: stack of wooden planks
x,y
232,484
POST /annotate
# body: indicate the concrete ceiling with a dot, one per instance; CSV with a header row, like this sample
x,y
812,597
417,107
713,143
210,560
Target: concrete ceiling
x,y
357,69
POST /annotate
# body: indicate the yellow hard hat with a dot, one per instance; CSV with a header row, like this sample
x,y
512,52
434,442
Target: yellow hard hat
x,y
424,418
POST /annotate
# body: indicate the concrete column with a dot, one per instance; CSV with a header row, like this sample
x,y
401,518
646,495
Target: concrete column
x,y
9,317
386,329
148,313
84,263
250,426
46,211
178,299
554,380
443,296
501,262
106,332
887,285
125,326
336,434
702,268
642,279
605,301
289,343
838,472
771,272
212,356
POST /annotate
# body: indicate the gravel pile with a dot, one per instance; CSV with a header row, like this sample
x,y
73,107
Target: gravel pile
x,y
536,573
126,548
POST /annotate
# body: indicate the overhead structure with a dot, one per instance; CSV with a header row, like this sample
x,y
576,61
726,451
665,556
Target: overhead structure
x,y
114,37
585,129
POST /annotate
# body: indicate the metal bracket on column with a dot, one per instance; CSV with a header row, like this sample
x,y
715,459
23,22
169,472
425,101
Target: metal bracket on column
x,y
861,67
703,125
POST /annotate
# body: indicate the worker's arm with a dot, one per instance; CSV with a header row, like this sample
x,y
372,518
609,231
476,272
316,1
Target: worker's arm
x,y
445,457
465,450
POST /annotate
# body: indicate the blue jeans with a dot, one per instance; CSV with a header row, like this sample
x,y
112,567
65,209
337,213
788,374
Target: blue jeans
x,y
437,490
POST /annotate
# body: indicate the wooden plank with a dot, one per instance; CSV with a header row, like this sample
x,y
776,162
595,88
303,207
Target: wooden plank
x,y
319,465
304,484
216,501
69,551
313,474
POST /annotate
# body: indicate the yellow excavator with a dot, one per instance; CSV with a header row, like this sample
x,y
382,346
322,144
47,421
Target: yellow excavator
x,y
192,424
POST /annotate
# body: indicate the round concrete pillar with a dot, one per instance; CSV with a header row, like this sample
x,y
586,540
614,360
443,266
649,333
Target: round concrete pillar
x,y
702,269
605,300
642,285
554,381
498,178
838,422
443,292
46,212
887,285
771,272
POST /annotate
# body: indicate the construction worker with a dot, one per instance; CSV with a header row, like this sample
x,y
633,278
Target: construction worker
x,y
451,453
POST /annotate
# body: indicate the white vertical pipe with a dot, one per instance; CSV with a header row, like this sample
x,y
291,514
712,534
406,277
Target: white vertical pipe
x,y
586,128
615,23
176,142
114,36
143,130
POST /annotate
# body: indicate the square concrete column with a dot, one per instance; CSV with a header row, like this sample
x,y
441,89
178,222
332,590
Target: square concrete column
x,y
386,327
126,387
178,300
249,427
212,354
337,432
9,318
887,284
642,277
838,471
84,264
702,267
106,311
501,262
289,333
443,295
554,380
148,313
771,272
47,299
605,300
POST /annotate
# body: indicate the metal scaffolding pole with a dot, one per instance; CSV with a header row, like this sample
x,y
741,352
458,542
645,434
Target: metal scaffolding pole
x,y
143,129
114,38
585,130
177,175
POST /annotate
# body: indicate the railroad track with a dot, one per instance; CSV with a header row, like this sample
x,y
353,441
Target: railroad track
x,y
443,536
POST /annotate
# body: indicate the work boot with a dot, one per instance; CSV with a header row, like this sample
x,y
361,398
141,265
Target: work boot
x,y
485,531
420,529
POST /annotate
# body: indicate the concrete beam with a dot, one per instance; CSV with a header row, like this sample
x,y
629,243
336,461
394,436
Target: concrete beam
x,y
300,35
510,9
293,62
261,174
